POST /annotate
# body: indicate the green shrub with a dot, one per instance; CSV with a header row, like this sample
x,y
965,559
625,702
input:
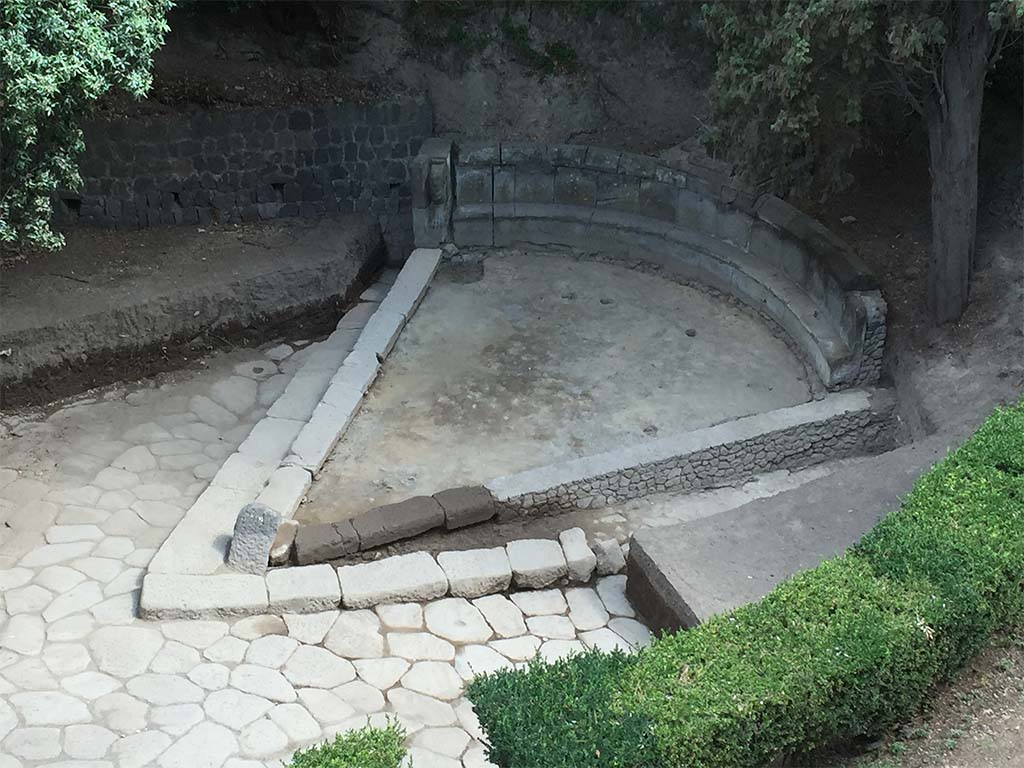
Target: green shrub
x,y
843,650
579,691
365,748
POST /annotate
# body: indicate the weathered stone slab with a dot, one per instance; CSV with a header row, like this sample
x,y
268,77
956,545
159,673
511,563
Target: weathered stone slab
x,y
325,541
380,334
284,542
466,506
199,543
393,522
321,433
536,563
357,317
399,579
303,589
412,282
476,572
609,557
172,596
270,439
255,529
680,575
286,489
579,558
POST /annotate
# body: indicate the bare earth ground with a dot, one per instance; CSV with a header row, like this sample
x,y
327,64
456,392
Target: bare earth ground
x,y
546,358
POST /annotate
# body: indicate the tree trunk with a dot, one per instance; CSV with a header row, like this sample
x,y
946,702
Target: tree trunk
x,y
953,114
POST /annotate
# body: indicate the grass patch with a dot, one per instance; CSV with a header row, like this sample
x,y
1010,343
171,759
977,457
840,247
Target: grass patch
x,y
366,748
844,650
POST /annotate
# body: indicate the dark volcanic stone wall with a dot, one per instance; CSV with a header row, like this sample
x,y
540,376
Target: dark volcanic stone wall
x,y
253,164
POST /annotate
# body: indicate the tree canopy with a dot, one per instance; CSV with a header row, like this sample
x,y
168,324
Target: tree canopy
x,y
56,59
790,86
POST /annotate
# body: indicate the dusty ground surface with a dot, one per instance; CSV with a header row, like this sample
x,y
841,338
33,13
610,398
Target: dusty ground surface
x,y
96,311
546,358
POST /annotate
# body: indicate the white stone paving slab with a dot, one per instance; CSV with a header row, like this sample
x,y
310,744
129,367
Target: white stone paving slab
x,y
536,563
397,579
303,589
476,572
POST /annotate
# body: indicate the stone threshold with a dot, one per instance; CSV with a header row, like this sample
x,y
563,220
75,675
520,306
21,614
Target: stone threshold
x,y
275,464
520,564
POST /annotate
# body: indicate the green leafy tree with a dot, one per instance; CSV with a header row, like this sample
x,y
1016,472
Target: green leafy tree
x,y
792,77
57,57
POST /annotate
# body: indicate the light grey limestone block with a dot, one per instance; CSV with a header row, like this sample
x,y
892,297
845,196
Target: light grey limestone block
x,y
281,549
476,572
609,557
579,558
303,589
286,489
536,563
255,529
172,596
398,579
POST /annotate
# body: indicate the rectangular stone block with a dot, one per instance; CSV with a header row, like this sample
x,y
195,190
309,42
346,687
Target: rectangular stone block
x,y
618,192
319,436
574,186
325,541
534,186
412,283
285,490
639,165
358,316
579,558
405,578
658,200
572,155
393,522
504,184
174,596
473,185
525,154
243,473
602,159
302,394
199,543
536,563
479,153
270,440
380,334
476,572
465,506
303,589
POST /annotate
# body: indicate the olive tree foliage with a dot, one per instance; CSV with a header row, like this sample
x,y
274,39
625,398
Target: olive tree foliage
x,y
791,81
57,57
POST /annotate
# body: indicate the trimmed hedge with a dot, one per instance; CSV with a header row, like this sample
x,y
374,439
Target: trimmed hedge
x,y
365,748
842,650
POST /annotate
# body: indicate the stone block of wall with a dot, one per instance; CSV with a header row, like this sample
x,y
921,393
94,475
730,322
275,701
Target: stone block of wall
x,y
252,164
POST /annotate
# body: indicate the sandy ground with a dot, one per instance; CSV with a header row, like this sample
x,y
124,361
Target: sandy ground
x,y
546,358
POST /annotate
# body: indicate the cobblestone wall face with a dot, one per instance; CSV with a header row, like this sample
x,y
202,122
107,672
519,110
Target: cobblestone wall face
x,y
849,434
254,164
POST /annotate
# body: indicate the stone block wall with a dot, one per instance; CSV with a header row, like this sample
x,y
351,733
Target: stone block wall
x,y
693,218
852,423
252,164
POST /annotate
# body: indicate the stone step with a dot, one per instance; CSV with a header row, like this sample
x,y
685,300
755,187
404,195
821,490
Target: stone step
x,y
680,575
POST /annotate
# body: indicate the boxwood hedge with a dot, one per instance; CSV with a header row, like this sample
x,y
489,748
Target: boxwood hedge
x,y
842,650
364,748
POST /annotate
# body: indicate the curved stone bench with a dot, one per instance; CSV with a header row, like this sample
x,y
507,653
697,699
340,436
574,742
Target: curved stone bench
x,y
695,221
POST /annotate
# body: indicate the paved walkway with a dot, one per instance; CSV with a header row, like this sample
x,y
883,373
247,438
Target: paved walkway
x,y
91,491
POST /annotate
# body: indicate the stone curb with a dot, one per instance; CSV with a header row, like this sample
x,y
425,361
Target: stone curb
x,y
848,423
418,576
276,462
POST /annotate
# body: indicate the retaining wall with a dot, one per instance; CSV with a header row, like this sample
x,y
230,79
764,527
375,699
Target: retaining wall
x,y
857,422
252,164
693,219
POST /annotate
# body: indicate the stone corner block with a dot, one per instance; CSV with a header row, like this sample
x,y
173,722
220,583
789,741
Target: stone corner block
x,y
609,557
255,529
399,579
536,563
226,595
579,558
476,572
303,589
325,541
286,489
393,522
466,506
